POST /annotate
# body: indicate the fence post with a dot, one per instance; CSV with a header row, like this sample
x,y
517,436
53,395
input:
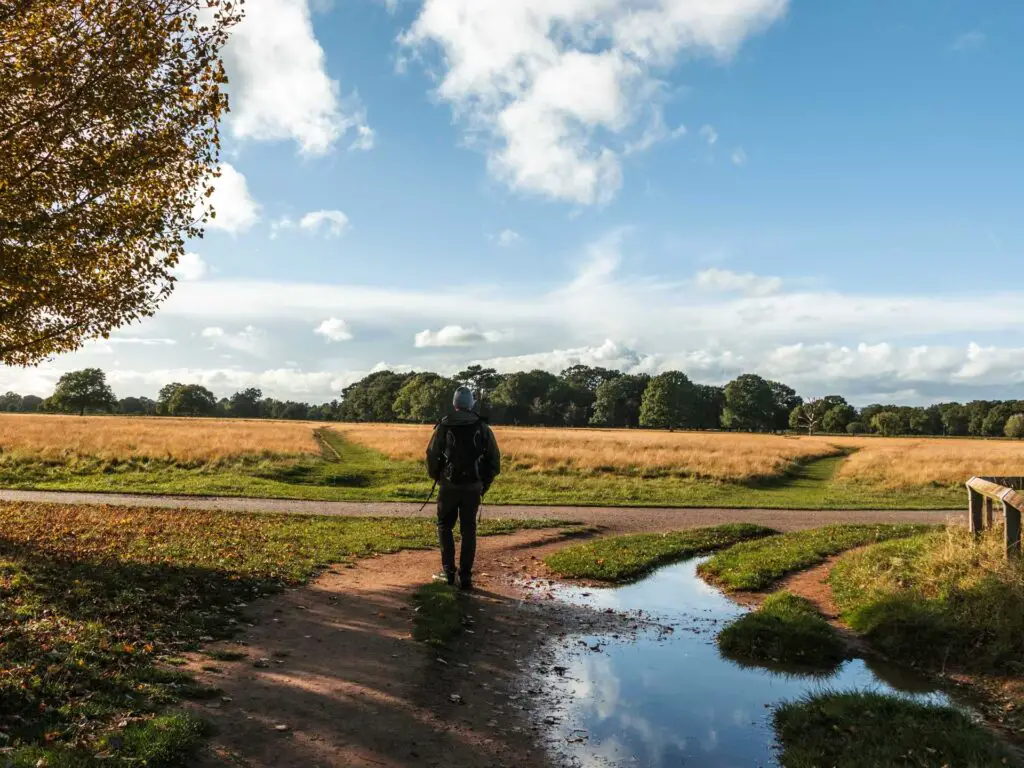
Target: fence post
x,y
988,513
1012,530
975,500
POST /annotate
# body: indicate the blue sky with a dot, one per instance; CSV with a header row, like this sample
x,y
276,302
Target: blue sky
x,y
825,193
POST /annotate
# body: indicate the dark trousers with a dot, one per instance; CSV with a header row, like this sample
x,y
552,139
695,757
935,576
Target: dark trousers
x,y
457,502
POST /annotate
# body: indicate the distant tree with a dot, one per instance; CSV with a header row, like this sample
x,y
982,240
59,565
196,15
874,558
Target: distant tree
x,y
838,417
111,116
483,381
669,402
245,404
809,416
79,391
31,403
856,428
372,398
926,421
523,398
977,411
1015,426
293,411
887,423
994,424
163,398
785,399
956,419
868,413
425,398
708,404
588,377
617,402
191,400
750,404
10,402
136,406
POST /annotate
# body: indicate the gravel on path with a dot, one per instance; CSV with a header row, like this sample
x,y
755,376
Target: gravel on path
x,y
613,519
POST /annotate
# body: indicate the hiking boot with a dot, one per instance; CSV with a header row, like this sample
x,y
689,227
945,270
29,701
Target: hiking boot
x,y
465,582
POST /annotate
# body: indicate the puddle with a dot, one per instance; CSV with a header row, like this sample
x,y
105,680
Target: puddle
x,y
667,697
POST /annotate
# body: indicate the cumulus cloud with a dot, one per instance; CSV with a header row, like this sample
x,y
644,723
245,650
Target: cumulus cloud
x,y
726,281
235,211
455,336
334,330
191,267
250,340
554,91
330,224
280,88
709,134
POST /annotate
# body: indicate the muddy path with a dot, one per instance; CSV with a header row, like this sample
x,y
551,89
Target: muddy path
x,y
332,676
611,519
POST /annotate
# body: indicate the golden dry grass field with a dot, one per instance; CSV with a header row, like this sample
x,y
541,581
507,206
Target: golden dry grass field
x,y
593,466
126,437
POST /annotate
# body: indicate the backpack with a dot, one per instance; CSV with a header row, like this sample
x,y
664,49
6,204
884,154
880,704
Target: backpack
x,y
463,453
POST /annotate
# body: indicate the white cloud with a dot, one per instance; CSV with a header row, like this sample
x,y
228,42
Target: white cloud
x,y
709,134
333,329
507,238
279,85
726,281
330,223
554,90
191,267
455,336
739,156
655,133
250,340
234,208
969,41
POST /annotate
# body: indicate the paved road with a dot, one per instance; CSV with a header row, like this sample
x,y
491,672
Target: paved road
x,y
612,518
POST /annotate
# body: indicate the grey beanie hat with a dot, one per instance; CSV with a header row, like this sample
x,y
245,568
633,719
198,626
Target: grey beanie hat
x,y
464,399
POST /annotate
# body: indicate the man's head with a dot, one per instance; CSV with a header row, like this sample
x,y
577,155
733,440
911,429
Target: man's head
x,y
463,400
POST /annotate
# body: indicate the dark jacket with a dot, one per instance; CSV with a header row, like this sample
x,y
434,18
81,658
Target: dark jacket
x,y
435,450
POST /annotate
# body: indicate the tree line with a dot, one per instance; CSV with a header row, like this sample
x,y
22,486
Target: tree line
x,y
578,397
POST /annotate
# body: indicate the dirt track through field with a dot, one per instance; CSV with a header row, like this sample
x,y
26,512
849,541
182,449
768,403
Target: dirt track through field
x,y
612,519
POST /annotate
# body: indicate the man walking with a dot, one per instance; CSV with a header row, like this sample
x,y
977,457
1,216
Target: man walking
x,y
463,459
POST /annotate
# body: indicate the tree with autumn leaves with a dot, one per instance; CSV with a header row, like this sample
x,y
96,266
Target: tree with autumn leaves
x,y
109,141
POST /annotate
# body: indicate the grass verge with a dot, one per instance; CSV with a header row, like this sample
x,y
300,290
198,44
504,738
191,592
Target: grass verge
x,y
939,601
623,558
96,604
786,629
757,565
868,730
438,618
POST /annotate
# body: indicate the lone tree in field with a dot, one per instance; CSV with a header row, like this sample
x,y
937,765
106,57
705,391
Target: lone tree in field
x,y
109,133
78,391
669,401
191,400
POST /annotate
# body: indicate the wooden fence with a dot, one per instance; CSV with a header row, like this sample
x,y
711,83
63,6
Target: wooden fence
x,y
983,492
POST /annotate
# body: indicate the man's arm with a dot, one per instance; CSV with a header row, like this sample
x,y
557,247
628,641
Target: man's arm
x,y
435,454
492,456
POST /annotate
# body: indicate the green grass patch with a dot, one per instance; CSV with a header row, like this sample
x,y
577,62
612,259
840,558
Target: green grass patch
x,y
939,601
786,630
869,730
757,565
623,558
351,472
438,617
97,602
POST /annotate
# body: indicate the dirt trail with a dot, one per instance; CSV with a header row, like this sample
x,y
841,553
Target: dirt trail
x,y
612,519
343,674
